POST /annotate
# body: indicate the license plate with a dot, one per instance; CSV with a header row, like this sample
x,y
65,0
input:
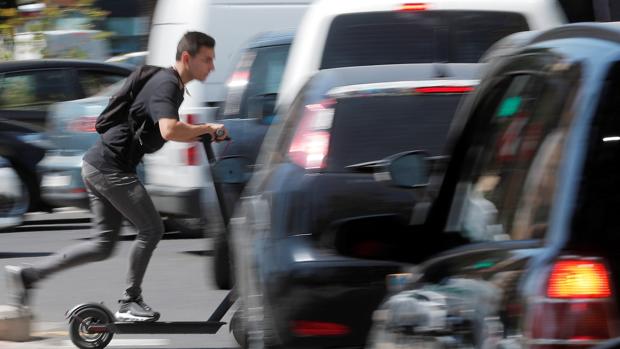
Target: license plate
x,y
55,181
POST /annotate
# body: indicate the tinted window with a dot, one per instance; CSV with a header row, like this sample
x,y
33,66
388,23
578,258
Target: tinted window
x,y
415,37
511,165
34,90
265,67
596,219
93,82
371,128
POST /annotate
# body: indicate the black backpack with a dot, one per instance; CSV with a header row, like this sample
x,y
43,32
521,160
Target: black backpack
x,y
117,110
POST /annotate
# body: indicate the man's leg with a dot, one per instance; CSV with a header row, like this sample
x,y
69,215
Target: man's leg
x,y
107,223
129,197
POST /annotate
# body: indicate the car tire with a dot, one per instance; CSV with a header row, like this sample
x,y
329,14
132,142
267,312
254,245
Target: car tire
x,y
222,263
13,205
16,203
238,329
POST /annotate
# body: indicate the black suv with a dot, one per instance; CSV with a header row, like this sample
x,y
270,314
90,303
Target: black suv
x,y
313,241
532,186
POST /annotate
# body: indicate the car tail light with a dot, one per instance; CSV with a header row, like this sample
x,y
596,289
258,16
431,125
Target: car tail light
x,y
445,89
239,79
310,143
191,118
192,155
578,279
83,124
304,328
238,83
577,308
414,7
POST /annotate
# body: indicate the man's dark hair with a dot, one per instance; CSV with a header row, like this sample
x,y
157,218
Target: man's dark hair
x,y
192,42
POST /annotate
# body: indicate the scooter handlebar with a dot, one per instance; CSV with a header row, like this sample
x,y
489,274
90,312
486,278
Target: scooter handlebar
x,y
218,133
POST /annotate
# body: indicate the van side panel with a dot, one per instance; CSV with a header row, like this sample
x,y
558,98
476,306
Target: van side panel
x,y
232,23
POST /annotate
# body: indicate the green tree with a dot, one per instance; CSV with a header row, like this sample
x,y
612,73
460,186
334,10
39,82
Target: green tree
x,y
11,22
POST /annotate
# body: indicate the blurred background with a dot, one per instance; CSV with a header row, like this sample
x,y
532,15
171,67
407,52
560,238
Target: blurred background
x,y
344,115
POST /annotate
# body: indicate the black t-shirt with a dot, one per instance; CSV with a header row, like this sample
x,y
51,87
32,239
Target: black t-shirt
x,y
116,151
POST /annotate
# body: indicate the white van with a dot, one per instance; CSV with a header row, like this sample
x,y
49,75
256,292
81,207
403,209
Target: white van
x,y
177,174
353,32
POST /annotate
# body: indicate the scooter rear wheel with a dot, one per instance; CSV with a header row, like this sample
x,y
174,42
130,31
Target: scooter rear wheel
x,y
78,329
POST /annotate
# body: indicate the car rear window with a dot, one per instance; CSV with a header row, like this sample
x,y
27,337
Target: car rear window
x,y
398,37
596,220
263,68
371,128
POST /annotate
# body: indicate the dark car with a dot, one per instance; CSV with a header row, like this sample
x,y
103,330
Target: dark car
x,y
532,189
312,246
29,87
247,113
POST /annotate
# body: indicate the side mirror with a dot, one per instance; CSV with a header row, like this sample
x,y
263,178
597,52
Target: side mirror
x,y
262,107
409,170
231,170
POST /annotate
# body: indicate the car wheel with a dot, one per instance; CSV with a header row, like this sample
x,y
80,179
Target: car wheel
x,y
238,329
15,198
222,263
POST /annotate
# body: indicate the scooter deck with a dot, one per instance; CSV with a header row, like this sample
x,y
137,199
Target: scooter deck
x,y
189,327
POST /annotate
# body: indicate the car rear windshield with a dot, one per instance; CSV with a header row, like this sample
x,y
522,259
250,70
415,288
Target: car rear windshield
x,y
596,220
416,37
265,75
371,128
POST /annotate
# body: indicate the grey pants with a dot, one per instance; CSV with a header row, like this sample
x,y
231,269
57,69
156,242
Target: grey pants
x,y
112,197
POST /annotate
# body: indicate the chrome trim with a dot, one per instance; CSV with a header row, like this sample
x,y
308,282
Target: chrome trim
x,y
394,87
564,341
546,300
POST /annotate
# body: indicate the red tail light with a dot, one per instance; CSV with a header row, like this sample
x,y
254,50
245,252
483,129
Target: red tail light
x,y
444,89
318,328
578,279
310,144
191,118
576,309
414,7
239,79
83,124
192,154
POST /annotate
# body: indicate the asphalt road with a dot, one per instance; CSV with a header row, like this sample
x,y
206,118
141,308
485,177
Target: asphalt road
x,y
177,284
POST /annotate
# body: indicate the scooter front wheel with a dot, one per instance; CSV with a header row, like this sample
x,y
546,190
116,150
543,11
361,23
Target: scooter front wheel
x,y
84,319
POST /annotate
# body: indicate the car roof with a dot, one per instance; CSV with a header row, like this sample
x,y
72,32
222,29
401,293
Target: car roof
x,y
59,63
271,38
327,79
603,31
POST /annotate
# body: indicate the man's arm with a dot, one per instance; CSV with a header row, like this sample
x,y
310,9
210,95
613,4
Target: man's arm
x,y
174,130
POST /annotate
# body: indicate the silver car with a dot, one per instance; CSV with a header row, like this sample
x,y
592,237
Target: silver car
x,y
71,129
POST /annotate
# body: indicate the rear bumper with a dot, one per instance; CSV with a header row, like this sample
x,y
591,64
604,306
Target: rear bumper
x,y
323,288
182,202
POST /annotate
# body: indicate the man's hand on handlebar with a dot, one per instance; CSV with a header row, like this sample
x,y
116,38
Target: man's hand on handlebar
x,y
218,132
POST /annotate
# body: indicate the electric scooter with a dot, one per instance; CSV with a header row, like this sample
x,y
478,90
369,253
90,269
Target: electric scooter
x,y
92,325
